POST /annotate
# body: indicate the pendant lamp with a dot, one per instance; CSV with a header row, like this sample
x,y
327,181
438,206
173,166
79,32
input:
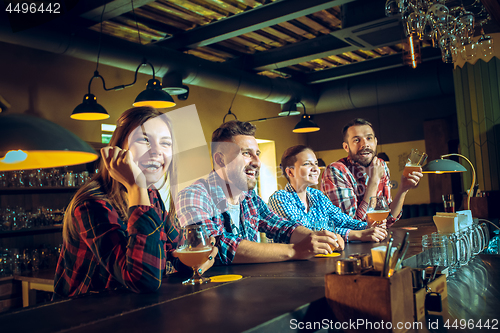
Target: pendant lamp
x,y
306,124
89,109
28,142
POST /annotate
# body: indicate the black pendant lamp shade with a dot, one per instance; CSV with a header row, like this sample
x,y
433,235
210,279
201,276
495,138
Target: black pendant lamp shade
x,y
306,124
89,109
28,142
154,96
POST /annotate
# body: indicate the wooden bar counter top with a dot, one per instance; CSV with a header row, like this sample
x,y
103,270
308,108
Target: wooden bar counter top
x,y
274,297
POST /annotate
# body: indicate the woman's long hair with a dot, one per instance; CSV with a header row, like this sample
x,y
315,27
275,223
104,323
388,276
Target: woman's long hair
x,y
102,186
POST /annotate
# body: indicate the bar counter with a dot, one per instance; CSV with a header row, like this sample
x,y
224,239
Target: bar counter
x,y
269,298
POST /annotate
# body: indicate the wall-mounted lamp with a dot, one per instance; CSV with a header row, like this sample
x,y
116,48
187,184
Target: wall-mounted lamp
x,y
28,142
306,124
449,166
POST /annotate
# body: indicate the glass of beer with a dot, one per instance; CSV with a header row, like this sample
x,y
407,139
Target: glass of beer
x,y
193,250
414,162
378,210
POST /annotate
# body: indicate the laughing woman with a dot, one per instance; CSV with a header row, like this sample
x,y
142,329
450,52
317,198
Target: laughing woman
x,y
300,203
114,232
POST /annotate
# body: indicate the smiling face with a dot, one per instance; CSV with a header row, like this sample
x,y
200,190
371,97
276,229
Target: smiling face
x,y
305,171
361,144
151,148
242,165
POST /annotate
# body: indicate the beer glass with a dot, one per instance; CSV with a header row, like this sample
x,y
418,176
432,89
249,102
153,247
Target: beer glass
x,y
378,210
486,235
414,162
463,247
193,250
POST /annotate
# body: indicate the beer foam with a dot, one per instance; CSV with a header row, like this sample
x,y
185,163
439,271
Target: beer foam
x,y
187,250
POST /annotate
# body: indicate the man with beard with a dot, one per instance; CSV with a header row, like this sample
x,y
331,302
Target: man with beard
x,y
351,181
234,214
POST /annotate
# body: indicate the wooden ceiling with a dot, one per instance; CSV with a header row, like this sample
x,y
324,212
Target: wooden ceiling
x,y
308,41
161,22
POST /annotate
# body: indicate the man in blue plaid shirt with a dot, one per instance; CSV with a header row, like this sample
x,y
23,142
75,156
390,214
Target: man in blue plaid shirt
x,y
234,214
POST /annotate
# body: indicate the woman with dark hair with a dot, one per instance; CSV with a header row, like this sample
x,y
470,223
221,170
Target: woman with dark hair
x,y
300,203
114,231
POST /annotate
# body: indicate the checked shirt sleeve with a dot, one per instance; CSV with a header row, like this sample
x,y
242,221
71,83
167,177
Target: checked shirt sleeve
x,y
194,205
343,222
282,203
135,260
278,228
339,187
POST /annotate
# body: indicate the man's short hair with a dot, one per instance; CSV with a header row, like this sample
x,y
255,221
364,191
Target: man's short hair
x,y
228,130
354,122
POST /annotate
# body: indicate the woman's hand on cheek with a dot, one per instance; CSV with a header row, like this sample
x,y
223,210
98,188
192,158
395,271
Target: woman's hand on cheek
x,y
122,167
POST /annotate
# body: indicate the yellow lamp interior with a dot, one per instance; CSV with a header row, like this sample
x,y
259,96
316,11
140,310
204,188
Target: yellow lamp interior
x,y
90,116
46,159
306,130
155,104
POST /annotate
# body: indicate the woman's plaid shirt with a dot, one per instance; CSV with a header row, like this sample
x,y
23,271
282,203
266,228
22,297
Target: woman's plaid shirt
x,y
110,253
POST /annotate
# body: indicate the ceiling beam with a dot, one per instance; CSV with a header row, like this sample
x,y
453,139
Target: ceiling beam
x,y
368,36
113,9
319,47
249,21
367,66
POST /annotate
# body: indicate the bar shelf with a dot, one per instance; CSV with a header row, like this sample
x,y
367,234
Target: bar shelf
x,y
31,231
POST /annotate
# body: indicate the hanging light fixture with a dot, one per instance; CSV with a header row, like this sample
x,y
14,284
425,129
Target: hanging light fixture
x,y
154,95
28,142
229,112
306,124
89,109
